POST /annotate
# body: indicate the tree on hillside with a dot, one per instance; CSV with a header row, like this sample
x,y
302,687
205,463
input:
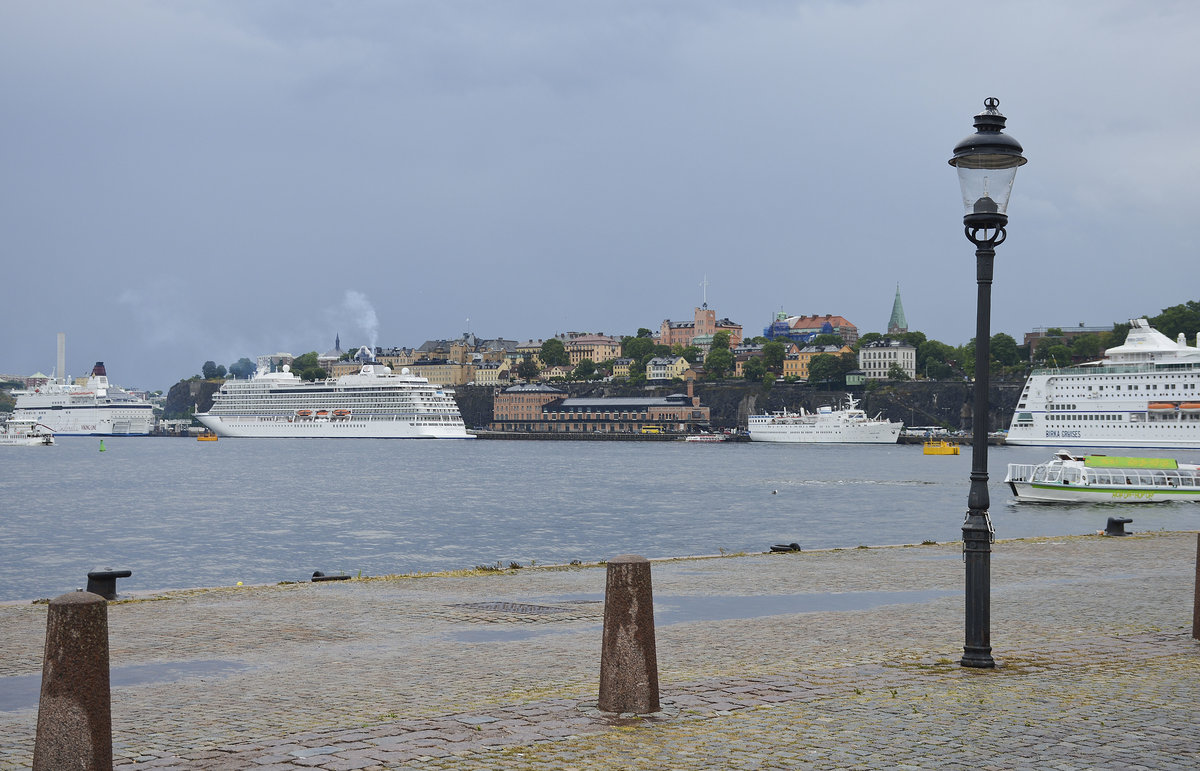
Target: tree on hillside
x,y
772,354
1183,318
1086,346
585,370
830,370
306,367
827,339
636,347
720,341
754,369
528,369
693,354
896,372
242,368
1004,350
554,353
718,362
209,370
643,332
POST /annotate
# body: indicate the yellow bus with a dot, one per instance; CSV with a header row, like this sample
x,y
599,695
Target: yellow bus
x,y
652,429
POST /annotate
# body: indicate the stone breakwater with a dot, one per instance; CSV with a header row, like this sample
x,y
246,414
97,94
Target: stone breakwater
x,y
831,659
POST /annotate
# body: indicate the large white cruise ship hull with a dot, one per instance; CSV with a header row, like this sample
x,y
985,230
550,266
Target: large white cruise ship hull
x,y
259,428
1144,395
372,404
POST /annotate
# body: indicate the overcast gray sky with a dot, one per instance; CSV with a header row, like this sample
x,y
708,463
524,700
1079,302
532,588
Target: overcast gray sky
x,y
210,180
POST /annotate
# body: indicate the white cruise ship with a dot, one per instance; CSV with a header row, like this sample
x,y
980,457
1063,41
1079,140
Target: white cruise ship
x,y
370,404
1145,393
826,425
96,408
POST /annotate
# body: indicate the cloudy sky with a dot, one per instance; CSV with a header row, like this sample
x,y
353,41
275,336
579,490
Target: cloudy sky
x,y
210,180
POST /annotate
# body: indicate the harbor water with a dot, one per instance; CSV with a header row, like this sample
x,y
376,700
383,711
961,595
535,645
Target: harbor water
x,y
181,513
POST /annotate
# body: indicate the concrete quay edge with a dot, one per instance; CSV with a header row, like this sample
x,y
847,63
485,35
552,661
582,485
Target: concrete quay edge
x,y
834,658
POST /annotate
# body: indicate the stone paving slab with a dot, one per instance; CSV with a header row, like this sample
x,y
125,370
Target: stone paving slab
x,y
759,667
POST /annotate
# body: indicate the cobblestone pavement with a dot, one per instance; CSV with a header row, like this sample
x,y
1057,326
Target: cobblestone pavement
x,y
834,659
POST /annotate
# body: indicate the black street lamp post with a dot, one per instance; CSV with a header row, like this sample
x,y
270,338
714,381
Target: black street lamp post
x,y
987,163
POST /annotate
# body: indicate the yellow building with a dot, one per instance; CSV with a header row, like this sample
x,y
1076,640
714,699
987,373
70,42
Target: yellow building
x,y
620,367
598,348
666,367
796,364
492,373
443,372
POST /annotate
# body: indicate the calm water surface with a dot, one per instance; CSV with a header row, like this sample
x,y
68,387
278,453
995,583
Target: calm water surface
x,y
181,513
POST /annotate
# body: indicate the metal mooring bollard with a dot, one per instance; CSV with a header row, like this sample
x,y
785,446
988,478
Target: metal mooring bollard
x,y
628,660
104,582
1116,526
74,723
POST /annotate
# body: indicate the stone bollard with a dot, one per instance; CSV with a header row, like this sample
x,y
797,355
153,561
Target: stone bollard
x,y
628,661
1196,595
74,725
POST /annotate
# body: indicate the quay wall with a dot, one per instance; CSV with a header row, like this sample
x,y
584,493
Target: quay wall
x,y
915,403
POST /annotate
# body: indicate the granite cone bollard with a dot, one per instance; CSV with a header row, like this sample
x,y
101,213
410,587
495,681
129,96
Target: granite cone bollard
x,y
628,659
74,724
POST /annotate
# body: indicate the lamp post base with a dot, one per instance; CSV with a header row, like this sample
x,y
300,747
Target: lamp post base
x,y
979,658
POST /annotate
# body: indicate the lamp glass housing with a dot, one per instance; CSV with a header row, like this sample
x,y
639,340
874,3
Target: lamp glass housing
x,y
986,182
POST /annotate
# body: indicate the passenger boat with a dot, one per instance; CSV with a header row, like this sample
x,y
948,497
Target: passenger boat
x,y
705,438
939,447
207,436
826,425
1145,393
1104,479
25,433
371,403
95,408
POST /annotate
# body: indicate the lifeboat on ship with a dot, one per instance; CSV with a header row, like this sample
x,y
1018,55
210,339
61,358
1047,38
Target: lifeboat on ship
x,y
341,413
1190,406
322,414
1161,406
303,413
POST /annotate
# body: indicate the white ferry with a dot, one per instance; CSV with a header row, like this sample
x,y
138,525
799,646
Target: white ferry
x,y
96,408
372,403
826,425
1104,479
1145,393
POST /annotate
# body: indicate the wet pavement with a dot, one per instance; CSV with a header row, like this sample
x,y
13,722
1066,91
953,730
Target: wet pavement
x,y
832,659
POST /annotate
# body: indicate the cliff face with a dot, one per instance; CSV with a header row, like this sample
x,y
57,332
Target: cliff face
x,y
187,394
914,403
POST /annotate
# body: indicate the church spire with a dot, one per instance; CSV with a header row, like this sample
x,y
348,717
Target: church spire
x,y
337,342
897,323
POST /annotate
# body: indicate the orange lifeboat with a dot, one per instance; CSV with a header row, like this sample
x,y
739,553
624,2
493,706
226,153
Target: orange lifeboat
x,y
341,413
1190,406
303,413
1161,406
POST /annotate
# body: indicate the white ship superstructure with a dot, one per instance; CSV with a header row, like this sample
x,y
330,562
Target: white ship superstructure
x,y
1145,393
95,408
827,425
372,403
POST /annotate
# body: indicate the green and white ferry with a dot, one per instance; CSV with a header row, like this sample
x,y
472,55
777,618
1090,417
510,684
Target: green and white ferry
x,y
1104,479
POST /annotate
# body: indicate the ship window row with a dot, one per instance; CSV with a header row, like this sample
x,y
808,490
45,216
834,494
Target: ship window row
x,y
1085,417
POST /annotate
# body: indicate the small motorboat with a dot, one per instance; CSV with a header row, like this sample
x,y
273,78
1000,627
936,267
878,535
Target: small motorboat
x,y
939,447
207,436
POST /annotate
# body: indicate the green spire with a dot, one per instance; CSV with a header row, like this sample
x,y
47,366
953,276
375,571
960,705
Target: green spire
x,y
897,323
